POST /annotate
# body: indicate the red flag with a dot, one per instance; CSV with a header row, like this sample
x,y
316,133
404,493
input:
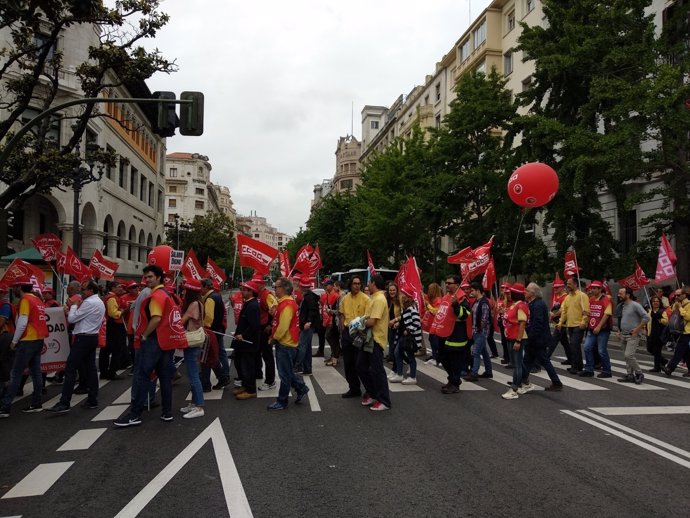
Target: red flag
x,y
284,259
191,268
21,271
47,245
665,264
255,254
489,276
466,255
444,320
101,267
482,255
60,261
215,272
315,263
74,266
302,259
571,268
408,277
372,270
556,279
636,281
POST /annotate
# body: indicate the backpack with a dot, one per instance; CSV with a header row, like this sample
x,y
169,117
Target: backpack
x,y
675,325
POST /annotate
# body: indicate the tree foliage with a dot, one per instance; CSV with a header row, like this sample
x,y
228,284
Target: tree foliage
x,y
212,235
32,67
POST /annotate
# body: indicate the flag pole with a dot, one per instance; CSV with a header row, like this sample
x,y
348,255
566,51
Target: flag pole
x,y
517,237
577,269
234,261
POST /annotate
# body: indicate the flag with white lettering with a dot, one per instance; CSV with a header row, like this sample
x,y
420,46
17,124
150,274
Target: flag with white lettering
x,y
570,268
191,268
666,262
302,259
47,245
101,267
215,271
255,254
22,272
284,258
636,281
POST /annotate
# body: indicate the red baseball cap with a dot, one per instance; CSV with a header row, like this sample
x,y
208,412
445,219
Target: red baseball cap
x,y
518,288
192,285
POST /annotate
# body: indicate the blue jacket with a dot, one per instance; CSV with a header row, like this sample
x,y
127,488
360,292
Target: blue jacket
x,y
537,328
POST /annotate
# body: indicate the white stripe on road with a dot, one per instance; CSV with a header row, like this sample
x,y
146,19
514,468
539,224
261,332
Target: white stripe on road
x,y
125,398
572,383
628,438
39,480
313,402
399,387
641,435
641,410
235,497
76,398
82,440
651,377
329,379
440,375
110,413
503,379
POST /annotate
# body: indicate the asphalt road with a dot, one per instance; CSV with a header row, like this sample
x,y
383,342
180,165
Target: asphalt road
x,y
470,454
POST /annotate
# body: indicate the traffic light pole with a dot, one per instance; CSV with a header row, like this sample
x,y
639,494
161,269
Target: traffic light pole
x,y
12,144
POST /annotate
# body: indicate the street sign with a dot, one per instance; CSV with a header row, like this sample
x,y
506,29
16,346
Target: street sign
x,y
176,260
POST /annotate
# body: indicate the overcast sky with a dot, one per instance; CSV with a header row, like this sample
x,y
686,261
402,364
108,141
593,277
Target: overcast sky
x,y
280,79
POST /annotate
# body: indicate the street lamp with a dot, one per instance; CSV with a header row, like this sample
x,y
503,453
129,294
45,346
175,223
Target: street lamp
x,y
82,175
177,226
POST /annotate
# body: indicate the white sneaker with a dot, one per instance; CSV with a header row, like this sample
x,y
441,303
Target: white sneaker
x,y
188,408
237,383
409,381
510,394
395,379
430,361
391,374
525,388
266,386
195,412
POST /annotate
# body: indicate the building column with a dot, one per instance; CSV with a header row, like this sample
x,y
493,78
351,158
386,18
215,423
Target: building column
x,y
91,240
112,246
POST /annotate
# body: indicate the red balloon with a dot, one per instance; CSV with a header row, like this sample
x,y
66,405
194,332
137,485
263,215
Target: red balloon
x,y
160,255
533,185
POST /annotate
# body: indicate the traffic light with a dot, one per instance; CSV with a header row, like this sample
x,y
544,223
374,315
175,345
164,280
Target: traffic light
x,y
167,120
192,115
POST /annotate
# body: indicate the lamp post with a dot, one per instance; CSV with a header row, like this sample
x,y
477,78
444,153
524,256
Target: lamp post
x,y
82,175
177,226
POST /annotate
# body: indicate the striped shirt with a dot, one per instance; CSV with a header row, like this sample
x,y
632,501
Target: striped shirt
x,y
412,324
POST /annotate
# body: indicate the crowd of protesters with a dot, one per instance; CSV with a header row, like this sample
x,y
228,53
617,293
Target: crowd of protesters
x,y
137,327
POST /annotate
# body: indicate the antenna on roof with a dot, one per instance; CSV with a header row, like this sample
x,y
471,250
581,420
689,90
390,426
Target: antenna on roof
x,y
352,119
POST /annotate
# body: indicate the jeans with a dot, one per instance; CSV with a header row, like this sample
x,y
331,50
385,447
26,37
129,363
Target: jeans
x,y
350,353
285,361
575,336
434,341
26,353
400,364
630,343
480,351
373,375
191,362
538,356
304,350
504,340
601,342
680,352
82,352
516,360
148,387
153,358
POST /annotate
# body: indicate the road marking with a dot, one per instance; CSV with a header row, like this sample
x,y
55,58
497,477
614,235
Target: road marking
x,y
628,438
651,377
329,378
125,398
573,383
399,387
440,375
313,402
641,410
641,435
235,498
110,413
82,440
39,480
633,386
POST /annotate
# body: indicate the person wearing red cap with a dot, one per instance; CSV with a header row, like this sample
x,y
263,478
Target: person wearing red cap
x,y
599,325
514,321
30,330
264,355
193,319
247,340
49,298
559,334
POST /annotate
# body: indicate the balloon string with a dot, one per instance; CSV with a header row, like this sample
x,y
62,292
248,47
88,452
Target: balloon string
x,y
517,236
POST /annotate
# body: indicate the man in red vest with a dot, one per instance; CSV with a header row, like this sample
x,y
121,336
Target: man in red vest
x,y
267,308
30,330
160,332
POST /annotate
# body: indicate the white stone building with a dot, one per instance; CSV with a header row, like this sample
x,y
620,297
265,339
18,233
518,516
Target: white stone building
x,y
258,228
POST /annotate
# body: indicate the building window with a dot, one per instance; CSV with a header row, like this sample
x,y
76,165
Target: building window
x,y
123,173
628,230
510,21
152,192
172,188
199,191
526,83
133,182
109,169
346,184
199,205
507,63
200,172
438,121
41,41
465,50
172,217
438,92
142,188
53,133
426,99
161,197
173,172
480,35
481,67
529,5
374,124
257,236
172,203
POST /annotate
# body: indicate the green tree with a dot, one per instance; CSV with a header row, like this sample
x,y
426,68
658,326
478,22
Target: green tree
x,y
32,66
591,59
212,235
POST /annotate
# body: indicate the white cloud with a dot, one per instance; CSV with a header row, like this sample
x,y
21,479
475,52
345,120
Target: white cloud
x,y
279,80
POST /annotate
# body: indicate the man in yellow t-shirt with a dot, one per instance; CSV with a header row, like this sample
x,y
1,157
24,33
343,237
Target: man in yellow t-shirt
x,y
574,318
370,364
352,305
